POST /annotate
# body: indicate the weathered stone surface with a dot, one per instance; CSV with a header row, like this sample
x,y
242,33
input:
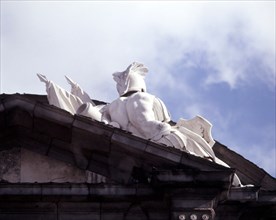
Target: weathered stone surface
x,y
16,101
28,211
79,211
60,127
199,190
112,201
39,168
17,117
10,165
248,172
135,212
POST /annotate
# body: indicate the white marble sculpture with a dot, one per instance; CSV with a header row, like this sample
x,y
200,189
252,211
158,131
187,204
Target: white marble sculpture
x,y
138,112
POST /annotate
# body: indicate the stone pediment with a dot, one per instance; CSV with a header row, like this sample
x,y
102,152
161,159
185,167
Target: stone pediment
x,y
30,122
87,144
114,174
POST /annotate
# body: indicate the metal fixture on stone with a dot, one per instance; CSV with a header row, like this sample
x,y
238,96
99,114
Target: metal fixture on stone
x,y
205,217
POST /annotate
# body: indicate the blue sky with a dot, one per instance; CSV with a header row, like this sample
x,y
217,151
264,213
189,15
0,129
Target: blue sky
x,y
212,58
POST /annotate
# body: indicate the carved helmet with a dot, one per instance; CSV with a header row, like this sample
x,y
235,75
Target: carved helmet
x,y
132,79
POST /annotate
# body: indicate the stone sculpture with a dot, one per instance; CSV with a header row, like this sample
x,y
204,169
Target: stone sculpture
x,y
138,112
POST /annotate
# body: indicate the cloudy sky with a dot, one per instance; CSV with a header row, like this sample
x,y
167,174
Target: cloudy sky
x,y
212,58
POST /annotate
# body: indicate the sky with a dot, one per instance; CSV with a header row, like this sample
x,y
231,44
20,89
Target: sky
x,y
210,58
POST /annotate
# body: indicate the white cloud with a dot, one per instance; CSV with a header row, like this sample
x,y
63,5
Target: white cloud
x,y
94,38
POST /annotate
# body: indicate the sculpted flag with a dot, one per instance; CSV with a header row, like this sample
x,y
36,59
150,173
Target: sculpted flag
x,y
76,102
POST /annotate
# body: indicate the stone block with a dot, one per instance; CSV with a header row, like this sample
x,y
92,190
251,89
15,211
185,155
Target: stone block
x,y
99,167
51,129
65,190
24,190
169,153
19,117
157,209
61,154
121,165
113,210
27,211
92,126
136,212
18,101
10,160
36,142
197,162
90,141
115,191
53,114
128,141
42,169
